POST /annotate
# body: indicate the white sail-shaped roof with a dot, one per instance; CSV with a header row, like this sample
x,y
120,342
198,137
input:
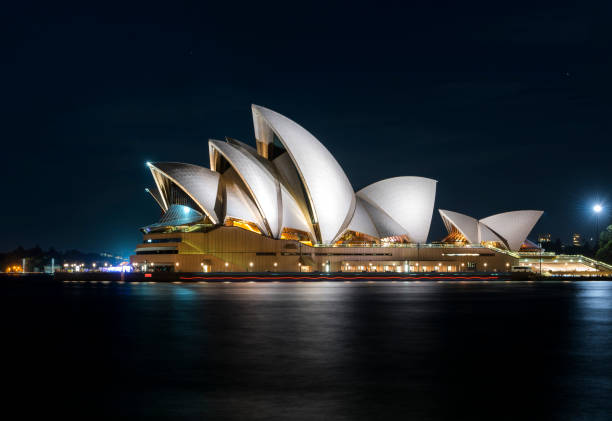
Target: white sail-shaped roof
x,y
237,201
199,183
361,221
384,224
514,227
262,185
293,217
466,225
408,200
329,191
509,229
485,235
289,177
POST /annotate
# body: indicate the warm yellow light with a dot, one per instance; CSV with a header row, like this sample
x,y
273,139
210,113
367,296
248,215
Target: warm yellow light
x,y
249,226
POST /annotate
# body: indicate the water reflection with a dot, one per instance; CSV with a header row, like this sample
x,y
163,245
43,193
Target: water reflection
x,y
355,350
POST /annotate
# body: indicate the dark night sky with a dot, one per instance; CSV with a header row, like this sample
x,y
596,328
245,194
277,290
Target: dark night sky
x,y
507,107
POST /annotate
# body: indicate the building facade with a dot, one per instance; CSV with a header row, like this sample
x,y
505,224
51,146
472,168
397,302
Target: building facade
x,y
233,249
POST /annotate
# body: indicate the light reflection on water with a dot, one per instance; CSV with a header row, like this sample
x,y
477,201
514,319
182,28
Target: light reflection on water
x,y
307,350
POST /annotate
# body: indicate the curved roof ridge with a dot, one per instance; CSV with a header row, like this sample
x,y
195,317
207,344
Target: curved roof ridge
x,y
465,224
156,196
263,186
199,183
237,201
329,190
409,200
362,221
384,223
513,226
291,211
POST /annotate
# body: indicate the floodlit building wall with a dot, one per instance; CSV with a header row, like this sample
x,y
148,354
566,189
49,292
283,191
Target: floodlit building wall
x,y
232,249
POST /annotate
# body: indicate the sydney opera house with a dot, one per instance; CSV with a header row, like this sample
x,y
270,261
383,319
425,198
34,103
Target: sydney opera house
x,y
286,205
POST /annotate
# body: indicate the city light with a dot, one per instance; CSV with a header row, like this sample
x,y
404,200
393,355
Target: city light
x,y
120,268
597,208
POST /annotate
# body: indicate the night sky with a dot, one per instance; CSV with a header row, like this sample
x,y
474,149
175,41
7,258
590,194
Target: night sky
x,y
507,107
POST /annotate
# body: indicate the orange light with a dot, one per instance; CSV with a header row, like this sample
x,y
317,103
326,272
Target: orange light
x,y
245,225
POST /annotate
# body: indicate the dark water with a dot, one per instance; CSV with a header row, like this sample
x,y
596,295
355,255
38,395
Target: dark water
x,y
309,351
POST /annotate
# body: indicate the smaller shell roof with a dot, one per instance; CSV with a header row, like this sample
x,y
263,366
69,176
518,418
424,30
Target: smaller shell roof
x,y
199,183
466,225
513,226
409,201
508,228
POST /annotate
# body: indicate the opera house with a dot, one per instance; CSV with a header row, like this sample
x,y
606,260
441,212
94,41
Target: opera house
x,y
286,205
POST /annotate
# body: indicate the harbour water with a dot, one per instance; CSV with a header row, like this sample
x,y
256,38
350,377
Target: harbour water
x,y
325,350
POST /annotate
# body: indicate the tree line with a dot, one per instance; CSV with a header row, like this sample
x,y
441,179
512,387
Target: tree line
x,y
604,250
